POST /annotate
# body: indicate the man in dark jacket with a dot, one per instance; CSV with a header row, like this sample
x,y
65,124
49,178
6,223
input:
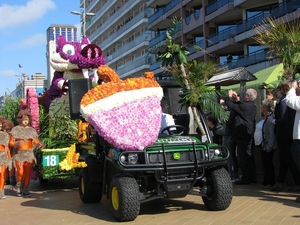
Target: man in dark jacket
x,y
243,130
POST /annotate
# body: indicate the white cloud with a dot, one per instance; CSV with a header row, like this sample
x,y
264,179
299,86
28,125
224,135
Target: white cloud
x,y
8,73
15,15
37,39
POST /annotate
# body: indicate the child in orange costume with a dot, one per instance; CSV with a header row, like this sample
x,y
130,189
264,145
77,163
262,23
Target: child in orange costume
x,y
23,139
5,157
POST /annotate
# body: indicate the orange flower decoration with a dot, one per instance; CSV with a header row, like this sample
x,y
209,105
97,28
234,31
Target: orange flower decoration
x,y
115,84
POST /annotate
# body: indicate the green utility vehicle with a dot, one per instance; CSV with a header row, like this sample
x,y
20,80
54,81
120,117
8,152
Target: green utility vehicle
x,y
172,167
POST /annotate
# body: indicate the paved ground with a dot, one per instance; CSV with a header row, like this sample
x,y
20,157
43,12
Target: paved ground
x,y
59,203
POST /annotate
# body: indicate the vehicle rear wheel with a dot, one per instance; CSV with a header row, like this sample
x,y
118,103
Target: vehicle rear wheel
x,y
124,198
43,181
221,191
89,192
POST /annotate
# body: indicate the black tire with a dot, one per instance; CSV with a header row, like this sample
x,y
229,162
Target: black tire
x,y
43,181
89,192
124,198
219,196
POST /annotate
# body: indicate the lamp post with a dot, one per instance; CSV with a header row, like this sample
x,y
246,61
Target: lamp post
x,y
83,17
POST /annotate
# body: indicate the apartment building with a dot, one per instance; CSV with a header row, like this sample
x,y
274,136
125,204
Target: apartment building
x,y
120,28
37,81
219,27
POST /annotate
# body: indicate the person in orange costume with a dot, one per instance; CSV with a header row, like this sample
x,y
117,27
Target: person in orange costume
x,y
23,139
5,157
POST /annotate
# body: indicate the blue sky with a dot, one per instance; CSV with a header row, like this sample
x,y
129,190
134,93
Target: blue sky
x,y
23,35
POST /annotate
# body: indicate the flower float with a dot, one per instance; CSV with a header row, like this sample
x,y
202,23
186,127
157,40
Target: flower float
x,y
72,60
126,113
71,160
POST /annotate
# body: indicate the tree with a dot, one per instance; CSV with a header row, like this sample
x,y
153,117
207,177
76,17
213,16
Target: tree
x,y
191,75
11,108
283,38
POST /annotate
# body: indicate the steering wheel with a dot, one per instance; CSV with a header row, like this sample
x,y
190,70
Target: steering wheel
x,y
171,132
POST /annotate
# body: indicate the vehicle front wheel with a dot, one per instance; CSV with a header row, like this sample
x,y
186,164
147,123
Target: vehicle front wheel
x,y
124,198
89,192
220,188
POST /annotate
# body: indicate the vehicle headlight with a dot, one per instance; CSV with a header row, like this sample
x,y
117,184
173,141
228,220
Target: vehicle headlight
x,y
215,153
132,158
123,158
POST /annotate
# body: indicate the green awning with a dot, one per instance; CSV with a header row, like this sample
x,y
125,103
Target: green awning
x,y
267,77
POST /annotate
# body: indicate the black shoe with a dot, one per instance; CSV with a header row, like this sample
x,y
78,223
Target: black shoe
x,y
241,182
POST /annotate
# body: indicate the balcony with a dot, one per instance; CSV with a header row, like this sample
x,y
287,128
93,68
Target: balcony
x,y
158,39
216,5
199,44
155,66
155,16
251,21
172,4
134,22
254,57
129,47
107,23
132,67
285,8
221,36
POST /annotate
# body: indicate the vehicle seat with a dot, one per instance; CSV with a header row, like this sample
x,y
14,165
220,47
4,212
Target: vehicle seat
x,y
183,120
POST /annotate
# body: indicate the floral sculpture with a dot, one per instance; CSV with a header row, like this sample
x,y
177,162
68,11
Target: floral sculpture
x,y
126,113
33,106
72,60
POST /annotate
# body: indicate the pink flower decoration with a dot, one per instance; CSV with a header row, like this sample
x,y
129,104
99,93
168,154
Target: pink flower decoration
x,y
33,107
131,126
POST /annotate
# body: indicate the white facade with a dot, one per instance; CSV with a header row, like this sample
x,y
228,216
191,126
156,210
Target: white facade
x,y
120,29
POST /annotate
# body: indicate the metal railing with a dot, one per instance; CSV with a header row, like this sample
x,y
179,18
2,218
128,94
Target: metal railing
x,y
221,36
248,24
214,6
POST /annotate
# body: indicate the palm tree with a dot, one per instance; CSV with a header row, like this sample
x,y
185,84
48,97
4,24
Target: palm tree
x,y
283,38
191,76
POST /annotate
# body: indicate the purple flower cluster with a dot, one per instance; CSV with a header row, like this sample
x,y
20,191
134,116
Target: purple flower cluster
x,y
132,126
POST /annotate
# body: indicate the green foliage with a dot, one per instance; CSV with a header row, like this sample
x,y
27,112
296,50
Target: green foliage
x,y
174,53
11,109
191,75
62,131
283,39
44,121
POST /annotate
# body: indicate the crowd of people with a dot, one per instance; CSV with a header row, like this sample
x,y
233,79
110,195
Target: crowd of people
x,y
16,153
274,133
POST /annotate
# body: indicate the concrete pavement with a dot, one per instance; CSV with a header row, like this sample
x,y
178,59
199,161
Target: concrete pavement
x,y
58,203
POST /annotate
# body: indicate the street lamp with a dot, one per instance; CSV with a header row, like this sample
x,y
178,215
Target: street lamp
x,y
83,17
